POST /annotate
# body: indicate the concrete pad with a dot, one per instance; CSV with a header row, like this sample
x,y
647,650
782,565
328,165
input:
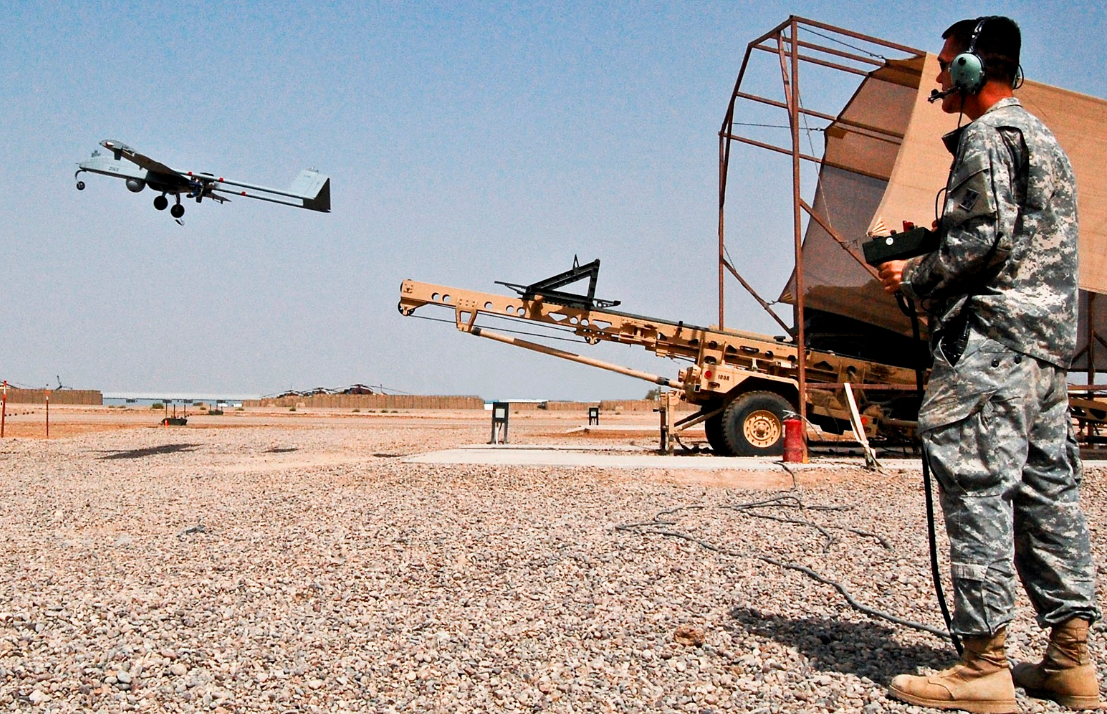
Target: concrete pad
x,y
623,429
630,458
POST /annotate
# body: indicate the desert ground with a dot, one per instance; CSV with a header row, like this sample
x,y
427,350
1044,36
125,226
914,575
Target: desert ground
x,y
273,561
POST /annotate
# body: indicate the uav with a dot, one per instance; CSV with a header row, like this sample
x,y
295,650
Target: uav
x,y
311,189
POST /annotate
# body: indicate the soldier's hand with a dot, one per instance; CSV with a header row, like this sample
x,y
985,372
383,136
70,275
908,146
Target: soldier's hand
x,y
891,275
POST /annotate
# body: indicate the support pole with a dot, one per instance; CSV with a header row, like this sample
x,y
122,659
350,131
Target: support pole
x,y
3,409
797,225
553,351
1091,338
859,429
665,403
47,413
724,156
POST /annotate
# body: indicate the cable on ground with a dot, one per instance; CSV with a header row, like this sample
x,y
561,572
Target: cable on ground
x,y
662,527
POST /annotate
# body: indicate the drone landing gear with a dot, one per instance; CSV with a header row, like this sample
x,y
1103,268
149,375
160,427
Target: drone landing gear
x,y
80,185
160,202
177,210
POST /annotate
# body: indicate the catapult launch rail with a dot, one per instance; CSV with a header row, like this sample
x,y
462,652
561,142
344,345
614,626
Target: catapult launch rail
x,y
742,382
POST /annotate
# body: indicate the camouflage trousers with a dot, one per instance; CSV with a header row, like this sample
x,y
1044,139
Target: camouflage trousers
x,y
1000,442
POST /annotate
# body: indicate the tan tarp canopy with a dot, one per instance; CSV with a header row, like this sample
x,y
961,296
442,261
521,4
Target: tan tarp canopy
x,y
885,161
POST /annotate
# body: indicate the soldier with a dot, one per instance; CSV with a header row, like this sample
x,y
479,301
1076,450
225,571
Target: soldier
x,y
1001,292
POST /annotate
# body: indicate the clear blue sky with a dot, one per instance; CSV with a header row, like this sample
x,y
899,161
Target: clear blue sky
x,y
468,143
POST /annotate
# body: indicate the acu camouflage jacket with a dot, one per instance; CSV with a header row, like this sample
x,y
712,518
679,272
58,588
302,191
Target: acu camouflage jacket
x,y
1008,250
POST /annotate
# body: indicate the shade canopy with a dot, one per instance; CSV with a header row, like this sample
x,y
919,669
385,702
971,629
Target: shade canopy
x,y
884,162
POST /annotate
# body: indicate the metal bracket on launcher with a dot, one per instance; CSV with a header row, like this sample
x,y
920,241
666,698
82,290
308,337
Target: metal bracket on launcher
x,y
548,290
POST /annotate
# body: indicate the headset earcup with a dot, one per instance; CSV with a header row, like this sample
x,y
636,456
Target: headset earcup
x,y
966,72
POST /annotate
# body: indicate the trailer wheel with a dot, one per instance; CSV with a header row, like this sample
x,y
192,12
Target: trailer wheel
x,y
753,424
714,428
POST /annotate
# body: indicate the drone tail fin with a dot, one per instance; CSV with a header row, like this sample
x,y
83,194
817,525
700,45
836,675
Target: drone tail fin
x,y
315,190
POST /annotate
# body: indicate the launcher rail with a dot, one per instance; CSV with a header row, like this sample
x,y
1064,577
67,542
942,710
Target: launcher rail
x,y
723,366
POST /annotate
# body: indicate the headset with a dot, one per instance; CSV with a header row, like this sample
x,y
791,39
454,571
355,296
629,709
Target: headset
x,y
967,71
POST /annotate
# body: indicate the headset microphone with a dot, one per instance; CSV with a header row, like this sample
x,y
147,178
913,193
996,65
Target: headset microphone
x,y
935,95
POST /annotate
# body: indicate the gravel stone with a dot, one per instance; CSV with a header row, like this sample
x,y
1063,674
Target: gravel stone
x,y
200,570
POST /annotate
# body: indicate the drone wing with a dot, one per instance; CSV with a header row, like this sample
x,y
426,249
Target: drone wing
x,y
122,150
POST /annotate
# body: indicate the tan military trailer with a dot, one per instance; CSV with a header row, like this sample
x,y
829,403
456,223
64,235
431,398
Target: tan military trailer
x,y
743,383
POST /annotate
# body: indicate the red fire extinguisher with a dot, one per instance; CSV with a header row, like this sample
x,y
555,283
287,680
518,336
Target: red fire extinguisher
x,y
794,451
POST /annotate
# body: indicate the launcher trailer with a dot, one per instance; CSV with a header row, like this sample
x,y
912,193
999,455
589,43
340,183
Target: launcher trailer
x,y
742,383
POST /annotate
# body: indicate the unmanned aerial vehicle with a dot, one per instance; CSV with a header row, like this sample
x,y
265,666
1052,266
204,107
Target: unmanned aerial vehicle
x,y
311,189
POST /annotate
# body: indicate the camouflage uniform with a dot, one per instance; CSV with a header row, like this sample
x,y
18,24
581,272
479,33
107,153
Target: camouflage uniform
x,y
994,420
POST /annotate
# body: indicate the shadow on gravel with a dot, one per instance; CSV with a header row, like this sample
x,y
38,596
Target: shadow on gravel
x,y
865,649
149,451
281,450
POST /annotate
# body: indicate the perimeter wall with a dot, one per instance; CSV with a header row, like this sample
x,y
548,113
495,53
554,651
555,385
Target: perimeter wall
x,y
368,401
411,401
88,397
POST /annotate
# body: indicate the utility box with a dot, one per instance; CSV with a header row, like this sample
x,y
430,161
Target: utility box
x,y
593,416
500,413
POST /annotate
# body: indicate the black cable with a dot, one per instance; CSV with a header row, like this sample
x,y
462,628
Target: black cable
x,y
943,193
908,307
775,126
874,55
939,201
663,527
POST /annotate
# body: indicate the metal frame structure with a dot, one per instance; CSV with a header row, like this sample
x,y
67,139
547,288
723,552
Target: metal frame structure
x,y
794,42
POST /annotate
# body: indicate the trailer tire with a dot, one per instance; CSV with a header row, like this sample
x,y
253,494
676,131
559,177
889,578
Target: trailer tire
x,y
713,426
753,424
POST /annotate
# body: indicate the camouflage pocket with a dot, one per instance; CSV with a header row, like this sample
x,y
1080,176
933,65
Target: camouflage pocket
x,y
969,450
959,389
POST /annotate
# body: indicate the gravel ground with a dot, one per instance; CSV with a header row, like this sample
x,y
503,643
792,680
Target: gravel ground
x,y
311,569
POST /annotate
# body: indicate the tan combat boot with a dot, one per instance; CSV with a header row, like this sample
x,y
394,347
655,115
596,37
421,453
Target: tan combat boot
x,y
979,683
1066,674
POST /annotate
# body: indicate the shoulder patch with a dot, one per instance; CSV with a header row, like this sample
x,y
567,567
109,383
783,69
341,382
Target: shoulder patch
x,y
968,200
971,198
